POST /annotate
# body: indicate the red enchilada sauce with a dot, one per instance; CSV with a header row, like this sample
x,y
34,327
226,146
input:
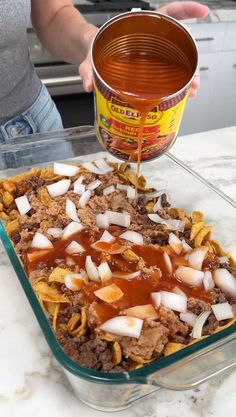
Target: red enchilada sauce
x,y
136,291
142,79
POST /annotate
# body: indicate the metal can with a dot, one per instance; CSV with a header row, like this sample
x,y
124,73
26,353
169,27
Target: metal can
x,y
117,118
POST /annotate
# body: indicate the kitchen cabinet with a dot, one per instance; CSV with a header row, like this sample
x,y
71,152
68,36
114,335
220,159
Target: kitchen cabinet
x,y
209,37
230,37
215,104
197,109
223,106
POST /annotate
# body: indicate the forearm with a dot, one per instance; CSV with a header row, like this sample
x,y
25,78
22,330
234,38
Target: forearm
x,y
67,35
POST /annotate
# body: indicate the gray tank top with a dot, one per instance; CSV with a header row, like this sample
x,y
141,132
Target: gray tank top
x,y
19,84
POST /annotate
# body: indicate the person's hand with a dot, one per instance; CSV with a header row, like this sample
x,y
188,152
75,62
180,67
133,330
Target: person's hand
x,y
186,10
85,68
178,10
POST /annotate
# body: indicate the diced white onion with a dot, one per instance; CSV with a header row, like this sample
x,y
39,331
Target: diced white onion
x,y
102,221
92,168
104,271
122,187
174,301
41,242
123,326
107,237
198,326
225,281
131,193
168,262
143,312
55,232
70,261
91,269
84,199
79,180
37,254
196,258
112,249
222,311
223,259
172,224
110,293
73,281
189,276
126,275
186,246
154,194
71,228
93,185
74,248
175,243
156,298
133,237
157,206
208,281
65,170
119,219
103,166
109,190
189,318
58,188
23,204
177,290
71,211
79,188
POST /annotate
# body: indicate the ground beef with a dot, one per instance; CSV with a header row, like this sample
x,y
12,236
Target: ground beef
x,y
150,344
150,270
32,183
33,275
119,203
68,311
218,296
89,351
88,177
30,226
163,213
15,236
172,322
74,296
197,306
164,201
225,265
93,317
159,237
140,206
186,235
210,325
211,262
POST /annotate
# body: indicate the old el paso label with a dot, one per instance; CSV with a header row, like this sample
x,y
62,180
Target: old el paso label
x,y
121,110
117,126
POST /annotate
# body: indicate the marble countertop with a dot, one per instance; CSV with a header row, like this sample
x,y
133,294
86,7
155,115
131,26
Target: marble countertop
x,y
32,383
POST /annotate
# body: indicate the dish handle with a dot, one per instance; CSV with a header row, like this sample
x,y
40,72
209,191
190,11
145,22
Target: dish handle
x,y
192,370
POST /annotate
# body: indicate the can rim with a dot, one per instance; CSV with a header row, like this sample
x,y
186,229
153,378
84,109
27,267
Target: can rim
x,y
151,13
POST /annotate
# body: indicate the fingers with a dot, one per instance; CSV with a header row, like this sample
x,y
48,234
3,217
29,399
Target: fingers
x,y
86,73
195,85
185,10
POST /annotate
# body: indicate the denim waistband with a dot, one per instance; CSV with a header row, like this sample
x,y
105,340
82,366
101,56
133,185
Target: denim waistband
x,y
42,115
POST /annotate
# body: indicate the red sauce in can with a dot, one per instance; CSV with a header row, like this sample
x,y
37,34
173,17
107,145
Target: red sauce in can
x,y
143,66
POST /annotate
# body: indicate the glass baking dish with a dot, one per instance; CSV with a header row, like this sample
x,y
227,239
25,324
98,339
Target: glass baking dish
x,y
182,370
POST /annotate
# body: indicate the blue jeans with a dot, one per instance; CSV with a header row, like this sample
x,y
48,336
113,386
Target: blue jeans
x,y
41,116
